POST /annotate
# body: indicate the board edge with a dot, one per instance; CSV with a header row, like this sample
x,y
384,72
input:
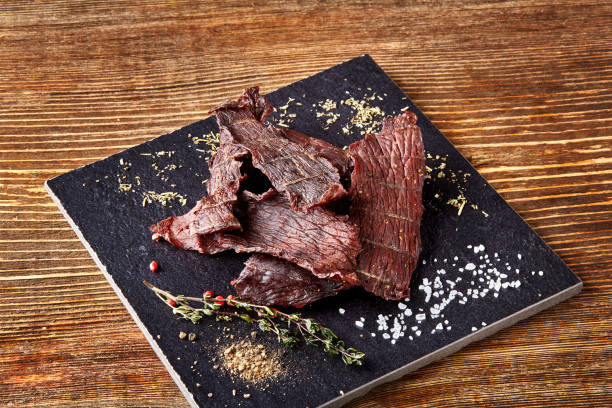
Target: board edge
x,y
148,336
457,345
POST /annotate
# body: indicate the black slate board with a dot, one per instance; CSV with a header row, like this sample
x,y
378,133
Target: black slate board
x,y
488,235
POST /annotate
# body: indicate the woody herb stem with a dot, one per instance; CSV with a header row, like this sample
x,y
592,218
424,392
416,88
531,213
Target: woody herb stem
x,y
312,332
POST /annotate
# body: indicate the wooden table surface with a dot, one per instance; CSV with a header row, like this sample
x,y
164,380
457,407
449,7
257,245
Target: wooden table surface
x,y
522,88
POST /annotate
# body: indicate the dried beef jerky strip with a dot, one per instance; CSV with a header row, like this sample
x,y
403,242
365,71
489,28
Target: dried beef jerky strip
x,y
386,187
213,213
320,241
307,178
268,280
224,168
336,156
178,232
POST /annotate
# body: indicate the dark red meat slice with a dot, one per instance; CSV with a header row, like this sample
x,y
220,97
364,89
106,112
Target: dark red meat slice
x,y
386,187
306,177
224,168
322,242
267,280
177,231
336,156
213,213
250,101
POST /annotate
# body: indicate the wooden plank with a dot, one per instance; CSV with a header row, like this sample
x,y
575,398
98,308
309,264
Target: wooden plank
x,y
520,87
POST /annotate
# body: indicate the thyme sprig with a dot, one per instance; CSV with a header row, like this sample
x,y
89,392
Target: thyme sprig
x,y
266,318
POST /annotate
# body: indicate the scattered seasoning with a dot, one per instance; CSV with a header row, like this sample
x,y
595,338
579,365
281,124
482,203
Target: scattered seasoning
x,y
198,385
192,337
162,198
326,112
247,396
437,169
153,266
125,185
210,394
284,118
210,140
479,276
251,362
366,117
266,318
182,335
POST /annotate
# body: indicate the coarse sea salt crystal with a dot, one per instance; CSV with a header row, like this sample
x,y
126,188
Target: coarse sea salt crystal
x,y
439,326
470,266
474,329
427,290
401,306
359,324
408,312
386,336
420,317
541,273
519,256
341,311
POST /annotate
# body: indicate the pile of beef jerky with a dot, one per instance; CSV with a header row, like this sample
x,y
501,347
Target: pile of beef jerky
x,y
317,219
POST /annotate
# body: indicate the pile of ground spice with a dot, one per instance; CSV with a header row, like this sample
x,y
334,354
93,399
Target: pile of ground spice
x,y
251,362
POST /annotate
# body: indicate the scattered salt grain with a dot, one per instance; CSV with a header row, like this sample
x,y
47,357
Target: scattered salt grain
x,y
341,311
479,248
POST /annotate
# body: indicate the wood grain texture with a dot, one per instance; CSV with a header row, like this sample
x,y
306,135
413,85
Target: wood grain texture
x,y
522,88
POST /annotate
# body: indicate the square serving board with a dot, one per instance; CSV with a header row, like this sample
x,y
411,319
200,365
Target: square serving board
x,y
482,267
